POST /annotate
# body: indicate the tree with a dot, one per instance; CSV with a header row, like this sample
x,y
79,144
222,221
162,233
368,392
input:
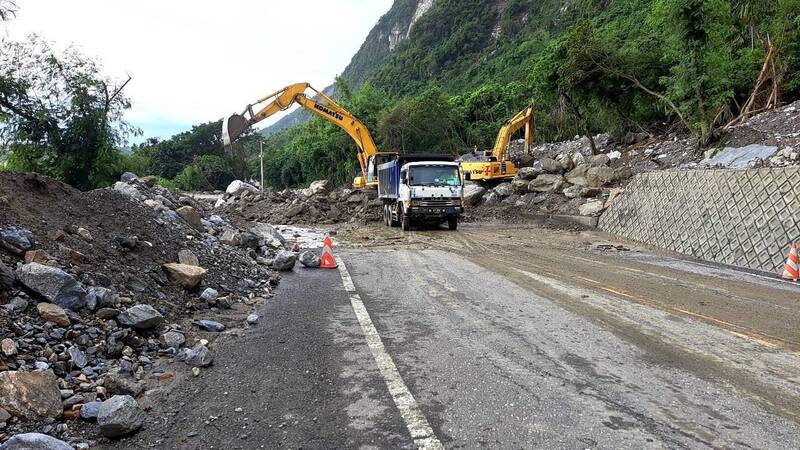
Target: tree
x,y
59,114
8,10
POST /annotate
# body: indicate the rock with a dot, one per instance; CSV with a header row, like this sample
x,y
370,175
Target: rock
x,y
573,191
53,284
209,295
503,190
78,357
252,319
85,234
4,416
309,259
230,237
589,192
546,183
16,305
20,238
599,160
185,275
107,313
268,233
127,242
141,317
284,261
591,207
7,278
128,190
491,198
248,240
473,193
578,175
188,258
578,159
30,395
191,216
529,173
613,196
34,441
39,256
210,325
119,416
567,163
599,176
127,177
100,296
550,166
53,313
121,384
90,410
614,155
238,187
9,348
531,199
149,181
173,339
519,185
199,356
320,187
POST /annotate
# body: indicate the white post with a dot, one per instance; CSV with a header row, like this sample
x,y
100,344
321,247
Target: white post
x,y
261,156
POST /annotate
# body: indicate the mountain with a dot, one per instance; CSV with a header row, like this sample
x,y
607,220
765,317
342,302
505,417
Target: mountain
x,y
392,28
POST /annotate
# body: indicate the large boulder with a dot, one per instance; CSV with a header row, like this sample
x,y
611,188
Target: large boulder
x,y
529,173
238,187
198,356
320,187
128,177
591,207
284,261
473,193
53,313
53,284
191,216
550,166
7,278
35,441
20,238
531,199
599,160
519,185
30,395
141,317
119,416
578,175
128,190
546,183
268,235
503,190
309,259
599,176
185,275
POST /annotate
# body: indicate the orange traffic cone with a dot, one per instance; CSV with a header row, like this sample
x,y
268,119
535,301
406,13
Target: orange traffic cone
x,y
327,261
790,269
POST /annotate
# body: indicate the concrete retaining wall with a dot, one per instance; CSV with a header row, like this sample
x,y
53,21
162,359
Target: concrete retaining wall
x,y
745,218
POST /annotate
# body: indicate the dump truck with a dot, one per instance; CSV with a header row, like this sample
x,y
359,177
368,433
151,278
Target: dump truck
x,y
421,188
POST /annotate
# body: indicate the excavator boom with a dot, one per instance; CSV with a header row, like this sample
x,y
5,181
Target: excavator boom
x,y
494,164
323,106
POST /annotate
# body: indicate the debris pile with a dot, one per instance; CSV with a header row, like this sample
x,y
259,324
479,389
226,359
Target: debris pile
x,y
318,204
97,295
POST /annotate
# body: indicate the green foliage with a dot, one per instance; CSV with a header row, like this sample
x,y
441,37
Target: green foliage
x,y
205,173
59,115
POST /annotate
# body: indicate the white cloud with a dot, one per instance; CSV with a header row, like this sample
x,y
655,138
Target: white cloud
x,y
195,61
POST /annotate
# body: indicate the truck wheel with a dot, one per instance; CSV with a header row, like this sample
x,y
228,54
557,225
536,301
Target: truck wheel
x,y
392,221
405,221
452,222
386,216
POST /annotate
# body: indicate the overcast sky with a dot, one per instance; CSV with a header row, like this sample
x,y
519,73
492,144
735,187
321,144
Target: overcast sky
x,y
193,61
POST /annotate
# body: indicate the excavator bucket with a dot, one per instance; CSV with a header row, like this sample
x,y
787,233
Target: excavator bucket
x,y
233,127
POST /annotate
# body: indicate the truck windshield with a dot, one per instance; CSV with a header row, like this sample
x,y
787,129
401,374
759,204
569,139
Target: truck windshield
x,y
434,176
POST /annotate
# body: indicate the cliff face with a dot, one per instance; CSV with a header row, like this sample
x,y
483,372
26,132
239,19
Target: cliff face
x,y
392,28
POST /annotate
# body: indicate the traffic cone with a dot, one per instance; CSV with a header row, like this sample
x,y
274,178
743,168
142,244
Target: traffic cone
x,y
327,261
790,269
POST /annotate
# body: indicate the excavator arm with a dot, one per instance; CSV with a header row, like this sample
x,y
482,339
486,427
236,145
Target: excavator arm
x,y
523,119
321,105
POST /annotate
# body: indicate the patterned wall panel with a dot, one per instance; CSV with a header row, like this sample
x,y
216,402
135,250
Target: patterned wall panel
x,y
744,218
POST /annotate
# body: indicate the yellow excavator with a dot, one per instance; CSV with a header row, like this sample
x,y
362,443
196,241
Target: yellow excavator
x,y
369,158
493,164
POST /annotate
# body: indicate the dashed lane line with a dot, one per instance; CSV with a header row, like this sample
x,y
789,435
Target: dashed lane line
x,y
416,423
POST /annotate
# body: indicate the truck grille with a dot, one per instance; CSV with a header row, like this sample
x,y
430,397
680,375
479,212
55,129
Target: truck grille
x,y
435,202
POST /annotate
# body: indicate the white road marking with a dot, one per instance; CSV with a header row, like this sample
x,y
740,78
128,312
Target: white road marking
x,y
415,421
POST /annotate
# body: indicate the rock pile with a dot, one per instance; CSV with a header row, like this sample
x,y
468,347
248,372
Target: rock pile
x,y
93,288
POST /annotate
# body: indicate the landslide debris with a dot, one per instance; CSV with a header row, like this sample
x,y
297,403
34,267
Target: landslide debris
x,y
98,291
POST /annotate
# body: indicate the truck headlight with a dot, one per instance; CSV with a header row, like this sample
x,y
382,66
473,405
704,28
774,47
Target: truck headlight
x,y
407,203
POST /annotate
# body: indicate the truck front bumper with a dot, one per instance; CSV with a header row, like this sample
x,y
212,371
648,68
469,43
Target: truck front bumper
x,y
433,211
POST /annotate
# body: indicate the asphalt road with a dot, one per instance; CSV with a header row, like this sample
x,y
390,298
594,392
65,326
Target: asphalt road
x,y
466,340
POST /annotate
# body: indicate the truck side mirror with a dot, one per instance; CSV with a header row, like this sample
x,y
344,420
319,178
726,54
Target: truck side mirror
x,y
404,178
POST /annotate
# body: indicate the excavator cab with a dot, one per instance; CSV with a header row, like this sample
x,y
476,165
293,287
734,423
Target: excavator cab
x,y
373,163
